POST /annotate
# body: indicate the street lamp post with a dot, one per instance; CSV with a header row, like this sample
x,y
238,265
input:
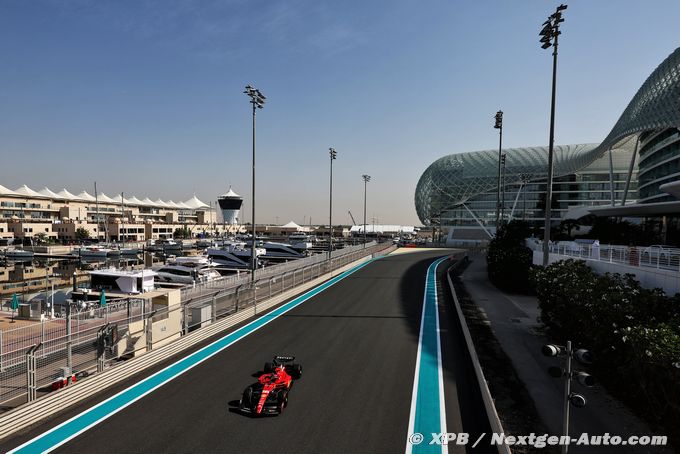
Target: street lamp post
x,y
332,153
257,100
499,125
366,178
503,159
549,37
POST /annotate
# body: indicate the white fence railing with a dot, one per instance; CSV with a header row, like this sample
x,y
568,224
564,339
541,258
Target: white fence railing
x,y
640,256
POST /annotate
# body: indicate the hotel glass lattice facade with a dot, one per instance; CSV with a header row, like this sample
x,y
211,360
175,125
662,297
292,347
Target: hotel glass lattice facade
x,y
458,182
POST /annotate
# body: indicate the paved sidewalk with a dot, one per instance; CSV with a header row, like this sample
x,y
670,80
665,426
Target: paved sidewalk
x,y
513,321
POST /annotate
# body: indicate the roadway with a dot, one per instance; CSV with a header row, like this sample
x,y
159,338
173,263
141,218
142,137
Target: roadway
x,y
358,343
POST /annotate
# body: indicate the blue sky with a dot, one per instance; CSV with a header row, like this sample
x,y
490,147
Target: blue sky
x,y
146,96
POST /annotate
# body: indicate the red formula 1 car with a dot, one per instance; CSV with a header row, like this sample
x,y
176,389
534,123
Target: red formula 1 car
x,y
269,396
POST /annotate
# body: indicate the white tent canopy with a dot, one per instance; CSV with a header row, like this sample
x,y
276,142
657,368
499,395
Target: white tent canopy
x,y
291,225
25,190
5,191
106,199
64,194
383,228
231,193
48,193
84,195
194,203
134,201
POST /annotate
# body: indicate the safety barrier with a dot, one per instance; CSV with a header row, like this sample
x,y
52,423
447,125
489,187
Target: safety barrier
x,y
489,407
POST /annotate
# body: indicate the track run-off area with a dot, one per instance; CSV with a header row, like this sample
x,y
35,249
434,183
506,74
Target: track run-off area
x,y
383,358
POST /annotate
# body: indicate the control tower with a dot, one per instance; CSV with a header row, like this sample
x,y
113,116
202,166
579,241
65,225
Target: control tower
x,y
230,205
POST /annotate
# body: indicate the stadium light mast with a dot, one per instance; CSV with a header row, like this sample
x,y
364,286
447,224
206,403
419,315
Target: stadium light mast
x,y
257,100
366,178
549,37
499,125
333,154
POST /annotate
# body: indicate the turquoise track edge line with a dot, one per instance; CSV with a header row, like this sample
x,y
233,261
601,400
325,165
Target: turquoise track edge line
x,y
429,402
80,423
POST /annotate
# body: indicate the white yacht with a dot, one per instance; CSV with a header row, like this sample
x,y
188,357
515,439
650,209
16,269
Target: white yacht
x,y
18,255
170,246
187,270
93,252
122,281
301,241
280,251
233,255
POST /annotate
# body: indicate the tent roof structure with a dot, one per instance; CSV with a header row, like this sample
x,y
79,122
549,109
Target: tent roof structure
x,y
231,194
84,195
48,193
6,191
194,203
25,190
64,194
106,199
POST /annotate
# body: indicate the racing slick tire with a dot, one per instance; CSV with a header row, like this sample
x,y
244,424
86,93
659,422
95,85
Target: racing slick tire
x,y
296,370
268,368
282,401
247,399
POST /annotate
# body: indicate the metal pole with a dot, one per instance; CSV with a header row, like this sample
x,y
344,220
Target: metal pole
x,y
69,358
498,195
503,190
330,207
365,184
96,201
524,207
514,205
630,171
611,175
252,248
548,191
567,392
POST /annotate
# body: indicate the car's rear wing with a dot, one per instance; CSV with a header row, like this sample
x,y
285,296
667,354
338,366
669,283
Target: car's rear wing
x,y
283,359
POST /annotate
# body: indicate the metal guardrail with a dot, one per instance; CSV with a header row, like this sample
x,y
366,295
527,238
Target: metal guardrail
x,y
77,348
241,278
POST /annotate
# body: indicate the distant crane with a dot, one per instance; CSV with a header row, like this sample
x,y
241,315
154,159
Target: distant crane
x,y
350,215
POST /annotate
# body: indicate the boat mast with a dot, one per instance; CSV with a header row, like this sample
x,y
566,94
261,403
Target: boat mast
x,y
122,217
96,202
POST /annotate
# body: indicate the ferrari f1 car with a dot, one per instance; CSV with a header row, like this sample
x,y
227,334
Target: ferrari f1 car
x,y
269,396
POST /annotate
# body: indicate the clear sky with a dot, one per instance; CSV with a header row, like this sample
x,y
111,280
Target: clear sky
x,y
146,97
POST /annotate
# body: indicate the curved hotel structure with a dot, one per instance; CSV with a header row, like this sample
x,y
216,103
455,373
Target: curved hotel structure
x,y
460,189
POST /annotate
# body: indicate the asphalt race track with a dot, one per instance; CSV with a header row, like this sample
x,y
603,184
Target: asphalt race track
x,y
357,342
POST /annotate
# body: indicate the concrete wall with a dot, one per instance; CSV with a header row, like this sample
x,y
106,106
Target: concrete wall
x,y
30,229
136,331
667,280
4,231
167,326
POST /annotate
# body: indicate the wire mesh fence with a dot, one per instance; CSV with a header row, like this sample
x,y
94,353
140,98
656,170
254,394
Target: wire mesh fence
x,y
39,357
